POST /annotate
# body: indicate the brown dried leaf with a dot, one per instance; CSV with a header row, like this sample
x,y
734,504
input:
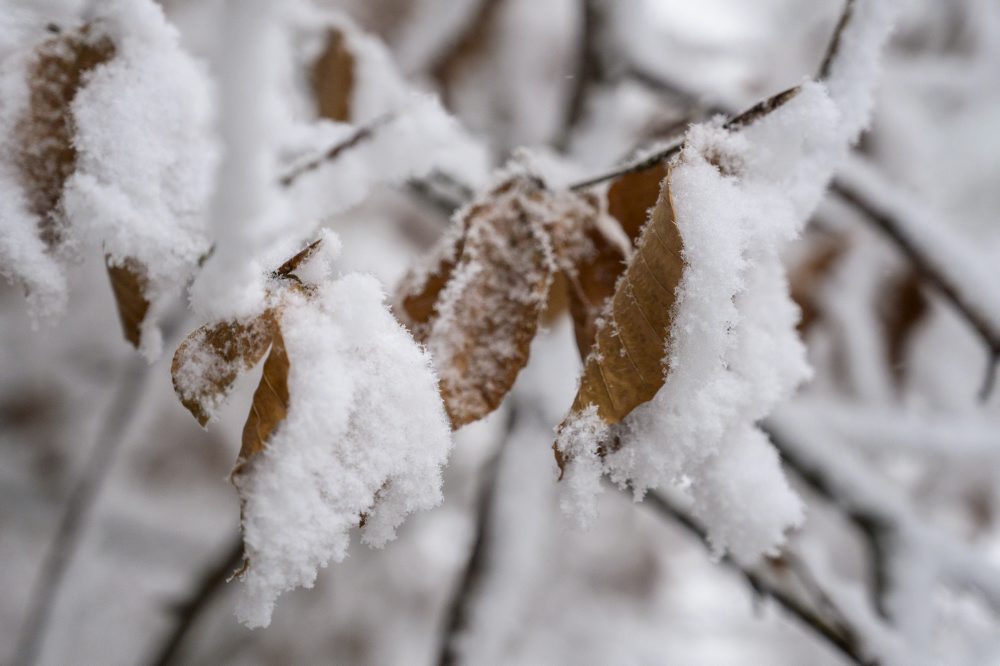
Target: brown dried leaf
x,y
625,368
902,306
210,359
486,314
632,195
44,151
128,283
593,283
270,402
333,78
420,288
286,269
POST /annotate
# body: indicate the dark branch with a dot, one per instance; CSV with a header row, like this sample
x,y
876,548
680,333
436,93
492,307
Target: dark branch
x,y
839,635
362,134
459,607
589,69
78,509
928,271
191,610
834,47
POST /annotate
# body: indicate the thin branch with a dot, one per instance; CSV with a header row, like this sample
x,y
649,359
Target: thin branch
x,y
754,113
191,610
929,272
864,498
589,69
66,542
833,48
360,135
459,607
839,636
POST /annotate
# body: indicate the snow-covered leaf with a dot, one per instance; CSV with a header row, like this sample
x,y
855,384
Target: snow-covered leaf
x,y
210,359
46,154
625,367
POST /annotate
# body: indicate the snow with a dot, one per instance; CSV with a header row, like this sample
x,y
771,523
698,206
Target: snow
x,y
733,353
143,166
247,213
145,158
366,433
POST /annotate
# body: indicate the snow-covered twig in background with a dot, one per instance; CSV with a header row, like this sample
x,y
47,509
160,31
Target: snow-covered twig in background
x,y
764,579
131,388
838,475
942,260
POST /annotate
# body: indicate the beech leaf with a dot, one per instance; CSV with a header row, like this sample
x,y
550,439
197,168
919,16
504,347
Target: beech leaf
x,y
128,283
210,359
270,401
632,195
477,302
625,367
592,281
45,154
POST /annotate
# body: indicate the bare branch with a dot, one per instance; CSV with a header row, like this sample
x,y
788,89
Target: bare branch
x,y
191,610
929,272
78,508
834,46
362,134
838,634
589,68
457,617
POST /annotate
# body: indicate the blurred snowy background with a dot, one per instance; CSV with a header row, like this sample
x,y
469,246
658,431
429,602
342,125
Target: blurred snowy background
x,y
893,407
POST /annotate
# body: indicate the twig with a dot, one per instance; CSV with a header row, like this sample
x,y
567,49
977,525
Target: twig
x,y
457,616
833,48
589,69
208,586
929,272
121,413
840,637
360,135
742,120
861,495
754,113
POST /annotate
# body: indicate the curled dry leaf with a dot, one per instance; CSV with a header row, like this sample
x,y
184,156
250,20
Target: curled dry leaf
x,y
332,78
632,195
487,314
288,268
477,302
270,401
129,283
591,279
210,359
625,367
45,154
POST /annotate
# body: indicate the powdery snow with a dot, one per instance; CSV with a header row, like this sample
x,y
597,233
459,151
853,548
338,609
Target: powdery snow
x,y
366,433
733,352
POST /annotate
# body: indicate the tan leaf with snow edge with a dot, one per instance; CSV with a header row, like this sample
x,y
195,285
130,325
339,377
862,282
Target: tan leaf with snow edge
x,y
626,368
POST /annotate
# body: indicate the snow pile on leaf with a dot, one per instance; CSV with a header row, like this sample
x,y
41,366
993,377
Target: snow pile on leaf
x,y
707,280
107,145
365,435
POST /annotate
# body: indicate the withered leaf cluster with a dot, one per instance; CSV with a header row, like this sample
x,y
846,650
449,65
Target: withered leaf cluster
x,y
476,303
